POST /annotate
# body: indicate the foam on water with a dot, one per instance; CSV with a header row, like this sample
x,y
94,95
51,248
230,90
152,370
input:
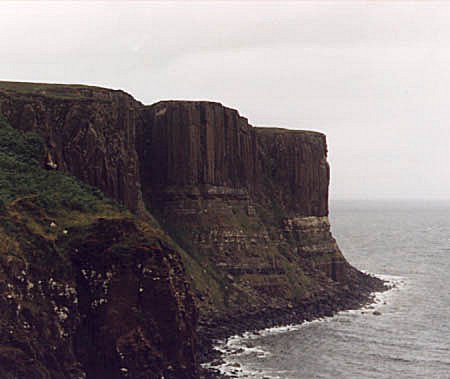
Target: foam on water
x,y
406,338
234,348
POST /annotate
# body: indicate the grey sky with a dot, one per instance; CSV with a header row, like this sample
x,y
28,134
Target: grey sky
x,y
374,76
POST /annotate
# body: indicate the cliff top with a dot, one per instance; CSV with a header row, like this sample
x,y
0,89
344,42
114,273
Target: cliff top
x,y
84,92
259,129
62,91
274,130
189,102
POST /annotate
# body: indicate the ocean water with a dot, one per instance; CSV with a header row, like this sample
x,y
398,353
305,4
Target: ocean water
x,y
407,243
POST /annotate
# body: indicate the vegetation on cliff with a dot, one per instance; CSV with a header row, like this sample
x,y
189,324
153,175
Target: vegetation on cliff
x,y
93,287
73,265
22,175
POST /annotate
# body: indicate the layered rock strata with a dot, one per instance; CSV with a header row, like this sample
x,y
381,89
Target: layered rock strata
x,y
249,204
246,207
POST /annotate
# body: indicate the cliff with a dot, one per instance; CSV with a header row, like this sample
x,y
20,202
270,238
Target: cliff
x,y
185,144
239,212
88,132
86,289
249,204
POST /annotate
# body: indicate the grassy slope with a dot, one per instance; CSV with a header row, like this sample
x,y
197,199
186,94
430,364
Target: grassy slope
x,y
39,209
32,198
56,196
42,213
39,212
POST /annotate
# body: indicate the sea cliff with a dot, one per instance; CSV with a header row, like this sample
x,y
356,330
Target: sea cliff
x,y
220,227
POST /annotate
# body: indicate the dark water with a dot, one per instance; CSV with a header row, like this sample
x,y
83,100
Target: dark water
x,y
408,243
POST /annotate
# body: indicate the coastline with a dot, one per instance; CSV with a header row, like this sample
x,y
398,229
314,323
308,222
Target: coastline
x,y
216,340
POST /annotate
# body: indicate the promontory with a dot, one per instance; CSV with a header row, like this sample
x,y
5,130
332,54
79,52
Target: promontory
x,y
132,236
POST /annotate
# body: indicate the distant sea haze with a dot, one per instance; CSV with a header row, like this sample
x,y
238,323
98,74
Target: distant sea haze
x,y
405,334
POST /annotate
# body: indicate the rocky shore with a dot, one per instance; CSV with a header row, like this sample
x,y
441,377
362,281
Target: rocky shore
x,y
233,217
326,306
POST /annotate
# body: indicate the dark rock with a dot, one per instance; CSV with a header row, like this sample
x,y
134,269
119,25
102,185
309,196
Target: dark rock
x,y
148,291
203,165
89,133
248,206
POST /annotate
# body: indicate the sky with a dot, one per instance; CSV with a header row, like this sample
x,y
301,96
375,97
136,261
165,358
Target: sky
x,y
373,76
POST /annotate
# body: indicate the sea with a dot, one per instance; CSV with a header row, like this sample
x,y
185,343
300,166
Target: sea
x,y
404,334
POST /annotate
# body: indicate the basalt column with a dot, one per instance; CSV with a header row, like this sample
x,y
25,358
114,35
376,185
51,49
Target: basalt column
x,y
250,205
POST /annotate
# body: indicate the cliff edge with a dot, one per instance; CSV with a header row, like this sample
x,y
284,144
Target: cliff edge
x,y
250,206
244,210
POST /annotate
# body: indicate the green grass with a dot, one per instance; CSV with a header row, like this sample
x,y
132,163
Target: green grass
x,y
32,198
22,175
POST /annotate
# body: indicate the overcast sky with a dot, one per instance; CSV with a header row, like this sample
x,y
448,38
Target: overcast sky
x,y
374,76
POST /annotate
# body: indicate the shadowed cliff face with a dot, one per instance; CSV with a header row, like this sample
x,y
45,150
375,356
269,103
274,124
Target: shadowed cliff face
x,y
137,316
292,171
89,132
107,307
196,144
245,210
191,143
250,204
87,290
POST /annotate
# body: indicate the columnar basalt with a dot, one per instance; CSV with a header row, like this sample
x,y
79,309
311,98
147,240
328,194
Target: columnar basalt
x,y
293,171
250,204
244,209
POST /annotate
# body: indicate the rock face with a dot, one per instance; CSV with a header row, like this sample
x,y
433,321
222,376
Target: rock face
x,y
87,290
250,204
293,171
112,312
89,132
246,206
137,316
192,144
